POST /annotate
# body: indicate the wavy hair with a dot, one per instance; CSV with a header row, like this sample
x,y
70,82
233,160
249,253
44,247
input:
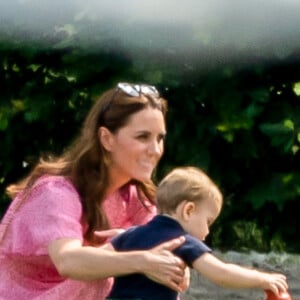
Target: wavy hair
x,y
84,162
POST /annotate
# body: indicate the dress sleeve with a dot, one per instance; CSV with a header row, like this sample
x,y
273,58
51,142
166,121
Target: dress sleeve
x,y
50,211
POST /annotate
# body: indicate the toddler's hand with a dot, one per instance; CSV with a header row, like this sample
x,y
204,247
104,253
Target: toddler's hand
x,y
275,283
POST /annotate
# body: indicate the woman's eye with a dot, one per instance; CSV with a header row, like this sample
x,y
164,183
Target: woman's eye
x,y
142,137
161,138
145,137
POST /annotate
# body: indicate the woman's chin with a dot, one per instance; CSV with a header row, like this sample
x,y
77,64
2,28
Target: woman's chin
x,y
145,176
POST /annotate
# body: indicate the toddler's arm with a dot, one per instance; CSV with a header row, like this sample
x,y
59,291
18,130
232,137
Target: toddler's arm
x,y
234,276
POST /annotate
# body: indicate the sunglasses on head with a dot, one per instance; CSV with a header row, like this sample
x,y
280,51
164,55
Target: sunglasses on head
x,y
132,90
135,90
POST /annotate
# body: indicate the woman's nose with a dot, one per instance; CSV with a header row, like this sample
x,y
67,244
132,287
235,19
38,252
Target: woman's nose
x,y
156,148
207,232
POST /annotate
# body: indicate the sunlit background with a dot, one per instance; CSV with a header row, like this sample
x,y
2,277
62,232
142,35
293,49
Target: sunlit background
x,y
202,32
230,70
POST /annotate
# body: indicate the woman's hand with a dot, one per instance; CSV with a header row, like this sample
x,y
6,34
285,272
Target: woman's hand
x,y
164,267
184,285
179,280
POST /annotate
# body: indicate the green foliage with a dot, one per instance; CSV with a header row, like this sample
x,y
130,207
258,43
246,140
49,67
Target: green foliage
x,y
240,123
244,235
243,129
45,96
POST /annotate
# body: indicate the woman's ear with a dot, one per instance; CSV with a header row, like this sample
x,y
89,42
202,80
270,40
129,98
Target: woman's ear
x,y
106,138
188,208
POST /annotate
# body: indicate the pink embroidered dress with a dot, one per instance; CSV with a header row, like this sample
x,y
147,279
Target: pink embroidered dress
x,y
52,210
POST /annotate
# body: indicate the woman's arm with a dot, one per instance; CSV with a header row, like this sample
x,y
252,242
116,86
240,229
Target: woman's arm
x,y
88,263
233,276
183,286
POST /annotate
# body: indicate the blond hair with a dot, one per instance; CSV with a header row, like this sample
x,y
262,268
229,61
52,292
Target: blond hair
x,y
186,183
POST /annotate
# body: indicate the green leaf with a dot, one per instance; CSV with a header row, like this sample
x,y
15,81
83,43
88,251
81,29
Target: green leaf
x,y
3,123
34,67
281,134
260,95
296,88
31,116
271,129
253,110
289,124
278,188
18,105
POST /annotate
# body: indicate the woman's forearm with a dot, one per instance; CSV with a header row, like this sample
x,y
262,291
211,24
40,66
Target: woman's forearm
x,y
89,263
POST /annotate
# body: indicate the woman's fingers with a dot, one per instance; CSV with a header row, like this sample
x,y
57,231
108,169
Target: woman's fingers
x,y
172,244
175,286
170,280
176,282
184,285
167,268
166,249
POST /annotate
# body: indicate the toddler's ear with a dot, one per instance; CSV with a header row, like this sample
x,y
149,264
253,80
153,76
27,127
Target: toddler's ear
x,y
188,208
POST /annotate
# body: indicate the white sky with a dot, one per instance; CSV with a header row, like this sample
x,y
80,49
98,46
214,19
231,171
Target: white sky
x,y
254,25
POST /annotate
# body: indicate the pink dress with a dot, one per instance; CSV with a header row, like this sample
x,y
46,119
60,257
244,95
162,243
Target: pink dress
x,y
52,210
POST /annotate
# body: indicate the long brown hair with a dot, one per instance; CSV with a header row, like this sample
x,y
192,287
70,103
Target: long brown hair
x,y
85,163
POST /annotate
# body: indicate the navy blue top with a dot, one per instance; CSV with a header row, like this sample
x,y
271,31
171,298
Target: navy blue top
x,y
159,229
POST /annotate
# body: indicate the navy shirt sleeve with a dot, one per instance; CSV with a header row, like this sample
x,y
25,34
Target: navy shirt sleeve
x,y
191,249
118,241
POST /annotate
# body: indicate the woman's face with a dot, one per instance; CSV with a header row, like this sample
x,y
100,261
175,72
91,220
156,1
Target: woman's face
x,y
136,148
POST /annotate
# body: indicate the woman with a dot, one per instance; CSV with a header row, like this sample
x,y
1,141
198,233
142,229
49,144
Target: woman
x,y
48,245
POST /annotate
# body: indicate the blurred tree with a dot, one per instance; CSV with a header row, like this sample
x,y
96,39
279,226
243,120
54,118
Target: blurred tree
x,y
238,119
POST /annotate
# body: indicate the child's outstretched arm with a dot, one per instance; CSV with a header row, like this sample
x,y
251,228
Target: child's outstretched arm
x,y
230,275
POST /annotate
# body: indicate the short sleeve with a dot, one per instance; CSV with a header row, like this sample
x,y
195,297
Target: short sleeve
x,y
191,250
51,210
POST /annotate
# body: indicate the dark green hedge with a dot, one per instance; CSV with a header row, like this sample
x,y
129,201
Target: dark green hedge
x,y
233,112
239,123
